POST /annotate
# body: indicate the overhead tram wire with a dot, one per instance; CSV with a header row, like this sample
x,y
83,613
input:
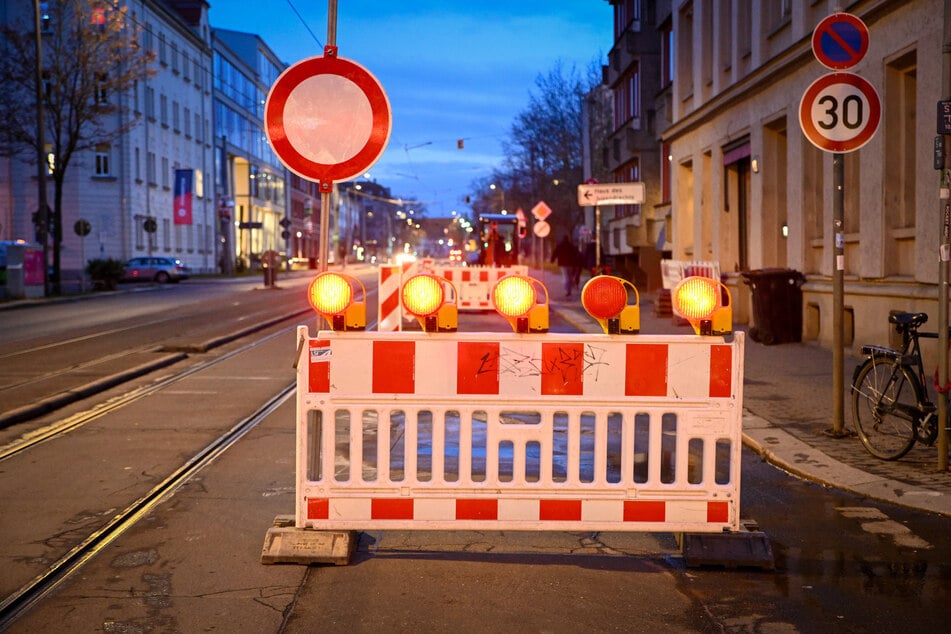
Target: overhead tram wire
x,y
301,18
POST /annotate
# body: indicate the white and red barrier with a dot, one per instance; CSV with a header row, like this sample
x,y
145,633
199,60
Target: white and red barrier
x,y
515,431
390,313
474,283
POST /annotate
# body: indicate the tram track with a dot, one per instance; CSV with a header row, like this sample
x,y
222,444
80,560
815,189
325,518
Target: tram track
x,y
98,526
79,419
41,585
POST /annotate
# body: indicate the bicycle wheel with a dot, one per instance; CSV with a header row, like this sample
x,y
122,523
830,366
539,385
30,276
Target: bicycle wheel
x,y
884,408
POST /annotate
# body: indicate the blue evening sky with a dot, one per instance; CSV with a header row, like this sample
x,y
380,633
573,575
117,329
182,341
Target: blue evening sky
x,y
451,70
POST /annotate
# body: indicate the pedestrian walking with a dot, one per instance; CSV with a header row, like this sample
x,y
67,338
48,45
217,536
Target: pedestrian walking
x,y
567,256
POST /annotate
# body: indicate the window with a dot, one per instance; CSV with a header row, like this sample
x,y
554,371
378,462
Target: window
x,y
165,173
138,166
151,169
667,53
103,152
175,119
102,94
185,64
187,120
627,98
174,58
163,105
163,56
150,103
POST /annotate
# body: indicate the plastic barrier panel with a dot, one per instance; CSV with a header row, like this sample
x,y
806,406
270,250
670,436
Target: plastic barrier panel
x,y
518,432
474,283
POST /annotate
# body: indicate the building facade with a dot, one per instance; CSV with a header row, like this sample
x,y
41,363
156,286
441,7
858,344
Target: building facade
x,y
252,180
749,190
118,186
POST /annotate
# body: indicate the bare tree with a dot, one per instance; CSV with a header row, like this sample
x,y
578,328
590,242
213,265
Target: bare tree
x,y
544,150
90,56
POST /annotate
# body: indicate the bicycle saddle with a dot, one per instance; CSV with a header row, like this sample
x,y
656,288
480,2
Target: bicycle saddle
x,y
908,319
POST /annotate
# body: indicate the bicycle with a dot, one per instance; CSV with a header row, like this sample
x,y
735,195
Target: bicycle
x,y
891,409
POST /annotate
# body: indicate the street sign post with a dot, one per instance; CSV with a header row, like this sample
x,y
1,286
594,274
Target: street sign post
x,y
600,194
838,113
328,120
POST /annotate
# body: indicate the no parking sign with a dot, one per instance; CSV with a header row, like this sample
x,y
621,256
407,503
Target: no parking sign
x,y
840,112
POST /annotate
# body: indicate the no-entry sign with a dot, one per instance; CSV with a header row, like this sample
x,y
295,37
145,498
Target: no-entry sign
x,y
840,112
327,119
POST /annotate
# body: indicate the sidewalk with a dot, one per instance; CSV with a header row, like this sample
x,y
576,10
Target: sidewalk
x,y
788,410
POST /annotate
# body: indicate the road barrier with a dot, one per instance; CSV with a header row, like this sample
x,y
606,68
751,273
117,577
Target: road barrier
x,y
536,432
527,430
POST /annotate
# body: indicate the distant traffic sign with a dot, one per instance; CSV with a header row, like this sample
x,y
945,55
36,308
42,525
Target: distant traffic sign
x,y
541,210
599,194
840,41
840,112
327,119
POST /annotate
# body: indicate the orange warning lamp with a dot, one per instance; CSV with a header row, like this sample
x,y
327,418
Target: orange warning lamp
x,y
424,297
706,304
516,298
605,297
332,295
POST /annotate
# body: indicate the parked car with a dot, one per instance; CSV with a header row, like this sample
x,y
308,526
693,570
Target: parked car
x,y
155,269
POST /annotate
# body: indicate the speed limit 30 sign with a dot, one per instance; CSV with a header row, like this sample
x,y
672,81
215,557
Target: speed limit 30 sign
x,y
840,112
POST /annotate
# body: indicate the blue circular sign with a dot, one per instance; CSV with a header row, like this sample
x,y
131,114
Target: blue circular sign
x,y
840,41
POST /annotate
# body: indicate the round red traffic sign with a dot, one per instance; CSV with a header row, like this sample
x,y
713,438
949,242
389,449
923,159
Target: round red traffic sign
x,y
839,112
327,119
840,41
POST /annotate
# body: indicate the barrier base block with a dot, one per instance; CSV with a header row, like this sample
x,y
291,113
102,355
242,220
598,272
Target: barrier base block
x,y
286,544
748,547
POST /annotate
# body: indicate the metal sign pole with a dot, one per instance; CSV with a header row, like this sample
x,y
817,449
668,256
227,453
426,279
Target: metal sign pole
x,y
326,189
944,254
838,270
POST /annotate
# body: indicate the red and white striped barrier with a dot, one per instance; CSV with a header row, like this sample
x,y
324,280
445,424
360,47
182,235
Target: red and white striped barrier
x,y
390,308
474,283
511,431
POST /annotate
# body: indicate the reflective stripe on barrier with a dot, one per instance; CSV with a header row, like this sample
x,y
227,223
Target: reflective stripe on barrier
x,y
506,431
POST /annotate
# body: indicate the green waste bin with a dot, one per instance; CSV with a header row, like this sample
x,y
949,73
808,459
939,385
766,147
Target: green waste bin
x,y
777,305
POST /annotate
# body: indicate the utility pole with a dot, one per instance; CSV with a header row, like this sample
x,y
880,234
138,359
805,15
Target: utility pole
x,y
43,213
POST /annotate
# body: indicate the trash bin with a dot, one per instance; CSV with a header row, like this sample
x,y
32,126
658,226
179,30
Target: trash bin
x,y
777,305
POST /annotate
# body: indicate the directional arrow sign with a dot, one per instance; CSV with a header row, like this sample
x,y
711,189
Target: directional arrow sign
x,y
611,194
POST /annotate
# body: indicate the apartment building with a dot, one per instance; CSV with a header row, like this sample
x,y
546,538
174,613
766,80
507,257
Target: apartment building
x,y
740,184
124,186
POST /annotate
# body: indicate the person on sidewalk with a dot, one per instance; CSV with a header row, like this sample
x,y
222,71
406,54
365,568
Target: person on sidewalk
x,y
567,257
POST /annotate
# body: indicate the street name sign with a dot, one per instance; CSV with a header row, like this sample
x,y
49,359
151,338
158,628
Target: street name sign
x,y
328,119
599,194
